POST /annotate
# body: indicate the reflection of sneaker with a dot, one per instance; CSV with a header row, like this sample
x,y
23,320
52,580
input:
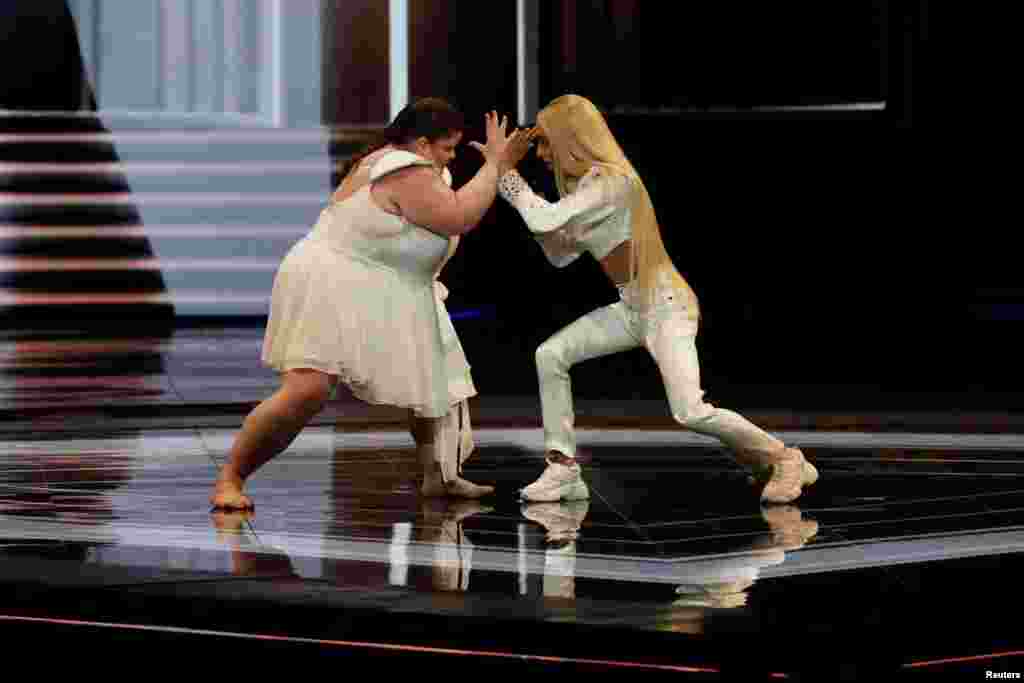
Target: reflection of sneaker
x,y
558,482
789,529
724,595
562,520
789,475
560,571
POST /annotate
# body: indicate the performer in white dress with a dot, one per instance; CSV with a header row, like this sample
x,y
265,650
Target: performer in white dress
x,y
605,210
357,301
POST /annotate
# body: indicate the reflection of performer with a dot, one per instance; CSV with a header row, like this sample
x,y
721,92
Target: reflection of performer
x,y
441,525
562,522
719,582
605,210
724,583
248,557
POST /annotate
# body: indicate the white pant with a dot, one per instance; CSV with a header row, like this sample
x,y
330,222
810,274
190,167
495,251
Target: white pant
x,y
669,333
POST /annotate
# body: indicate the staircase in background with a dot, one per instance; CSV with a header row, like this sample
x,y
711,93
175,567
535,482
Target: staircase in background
x,y
101,225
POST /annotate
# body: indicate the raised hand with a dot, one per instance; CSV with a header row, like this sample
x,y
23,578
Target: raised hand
x,y
494,150
517,148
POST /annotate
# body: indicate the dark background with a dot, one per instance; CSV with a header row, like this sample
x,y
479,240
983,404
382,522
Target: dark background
x,y
838,261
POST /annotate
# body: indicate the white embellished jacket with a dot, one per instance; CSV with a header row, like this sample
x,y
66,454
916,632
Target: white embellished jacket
x,y
595,218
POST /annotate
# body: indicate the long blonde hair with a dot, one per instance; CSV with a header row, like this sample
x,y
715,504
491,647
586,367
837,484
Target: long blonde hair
x,y
580,139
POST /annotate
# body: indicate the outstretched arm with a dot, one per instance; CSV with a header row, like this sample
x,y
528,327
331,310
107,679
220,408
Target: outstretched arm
x,y
598,196
425,199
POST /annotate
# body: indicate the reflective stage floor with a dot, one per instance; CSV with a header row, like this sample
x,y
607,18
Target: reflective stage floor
x,y
903,559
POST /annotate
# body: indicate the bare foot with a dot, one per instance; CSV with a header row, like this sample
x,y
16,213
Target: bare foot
x,y
434,487
227,494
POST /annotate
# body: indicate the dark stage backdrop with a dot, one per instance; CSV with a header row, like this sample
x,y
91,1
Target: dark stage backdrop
x,y
662,54
833,261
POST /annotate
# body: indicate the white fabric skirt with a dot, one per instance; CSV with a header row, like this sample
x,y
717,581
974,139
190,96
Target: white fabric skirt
x,y
384,333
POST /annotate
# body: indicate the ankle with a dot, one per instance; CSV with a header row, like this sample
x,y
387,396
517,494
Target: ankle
x,y
561,458
230,475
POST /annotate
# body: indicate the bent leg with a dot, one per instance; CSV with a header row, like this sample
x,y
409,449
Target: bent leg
x,y
673,345
599,333
674,348
268,430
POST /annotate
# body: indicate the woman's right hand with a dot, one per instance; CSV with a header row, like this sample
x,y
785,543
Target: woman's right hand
x,y
517,148
497,140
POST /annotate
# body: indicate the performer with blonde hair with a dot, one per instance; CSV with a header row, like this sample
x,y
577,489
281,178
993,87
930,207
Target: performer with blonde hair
x,y
605,210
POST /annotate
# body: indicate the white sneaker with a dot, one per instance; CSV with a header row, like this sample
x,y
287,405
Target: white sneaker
x,y
558,482
789,475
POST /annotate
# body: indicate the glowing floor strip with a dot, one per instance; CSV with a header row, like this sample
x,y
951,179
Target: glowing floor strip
x,y
965,660
362,645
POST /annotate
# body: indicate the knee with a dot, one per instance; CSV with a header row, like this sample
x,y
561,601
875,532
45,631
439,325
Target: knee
x,y
693,415
310,398
550,358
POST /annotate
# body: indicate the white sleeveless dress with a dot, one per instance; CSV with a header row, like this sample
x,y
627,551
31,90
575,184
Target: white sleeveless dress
x,y
357,298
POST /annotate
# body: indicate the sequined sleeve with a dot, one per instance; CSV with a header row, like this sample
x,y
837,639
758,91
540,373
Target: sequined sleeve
x,y
557,226
597,197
